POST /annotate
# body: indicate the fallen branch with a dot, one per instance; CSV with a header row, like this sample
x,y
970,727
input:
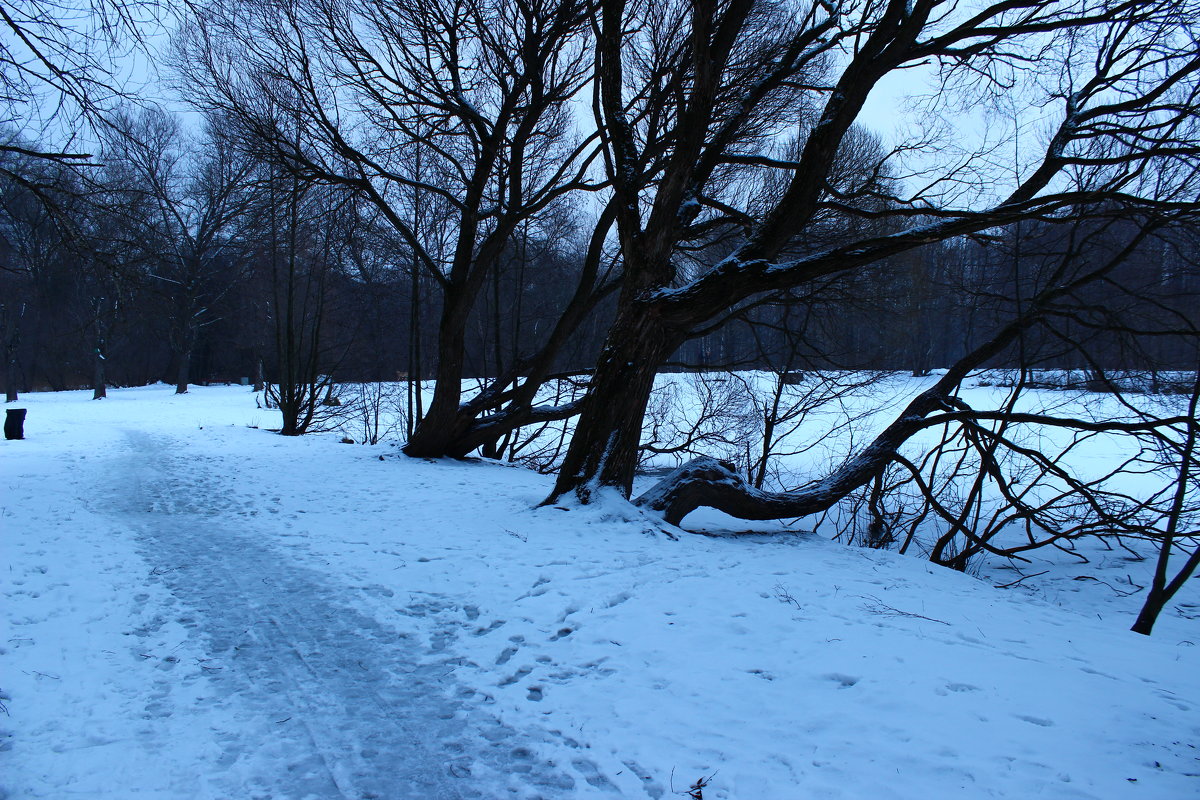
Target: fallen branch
x,y
877,606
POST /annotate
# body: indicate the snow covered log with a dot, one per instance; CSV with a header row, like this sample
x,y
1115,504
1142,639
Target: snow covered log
x,y
716,484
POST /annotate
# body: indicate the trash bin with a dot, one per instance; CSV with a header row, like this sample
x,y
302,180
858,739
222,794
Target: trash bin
x,y
14,423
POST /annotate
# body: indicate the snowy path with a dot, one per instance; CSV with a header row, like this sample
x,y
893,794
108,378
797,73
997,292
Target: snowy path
x,y
342,705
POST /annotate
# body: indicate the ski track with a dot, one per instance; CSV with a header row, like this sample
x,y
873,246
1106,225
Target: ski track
x,y
346,707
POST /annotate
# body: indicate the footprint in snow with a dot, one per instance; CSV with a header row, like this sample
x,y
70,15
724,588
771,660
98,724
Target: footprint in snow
x,y
591,774
496,623
613,602
516,676
957,688
1172,701
1039,721
1091,671
651,786
845,681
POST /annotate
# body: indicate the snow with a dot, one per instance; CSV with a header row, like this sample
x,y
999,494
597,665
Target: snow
x,y
195,607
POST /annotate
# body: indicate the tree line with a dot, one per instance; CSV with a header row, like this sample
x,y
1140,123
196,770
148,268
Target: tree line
x,y
114,283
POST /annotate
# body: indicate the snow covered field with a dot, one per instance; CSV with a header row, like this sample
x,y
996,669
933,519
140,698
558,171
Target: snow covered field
x,y
194,607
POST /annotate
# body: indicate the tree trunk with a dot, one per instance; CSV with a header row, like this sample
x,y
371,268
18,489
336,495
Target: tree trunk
x,y
288,405
461,427
716,484
707,482
1156,601
442,423
12,340
416,402
259,379
184,374
99,386
1162,589
10,380
604,447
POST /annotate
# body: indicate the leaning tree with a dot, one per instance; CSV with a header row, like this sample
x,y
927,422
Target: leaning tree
x,y
692,98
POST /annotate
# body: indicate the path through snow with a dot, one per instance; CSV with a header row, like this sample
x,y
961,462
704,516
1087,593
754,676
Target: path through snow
x,y
335,703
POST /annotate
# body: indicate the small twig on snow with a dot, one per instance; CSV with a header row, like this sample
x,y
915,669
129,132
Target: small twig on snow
x,y
1022,578
877,606
784,596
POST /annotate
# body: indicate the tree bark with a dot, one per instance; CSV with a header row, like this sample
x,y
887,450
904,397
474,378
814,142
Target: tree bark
x,y
99,388
468,428
1155,603
708,482
1161,591
442,423
604,447
1163,587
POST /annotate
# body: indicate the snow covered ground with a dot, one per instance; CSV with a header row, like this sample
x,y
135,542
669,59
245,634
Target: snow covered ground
x,y
194,607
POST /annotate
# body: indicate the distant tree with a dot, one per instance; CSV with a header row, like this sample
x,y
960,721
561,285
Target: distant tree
x,y
11,316
185,201
303,237
23,225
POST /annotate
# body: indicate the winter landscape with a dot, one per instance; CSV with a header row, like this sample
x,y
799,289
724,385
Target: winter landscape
x,y
197,607
717,399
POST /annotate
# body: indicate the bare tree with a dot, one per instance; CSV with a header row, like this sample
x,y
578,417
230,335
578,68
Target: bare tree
x,y
10,340
189,214
61,68
31,238
451,116
688,95
303,240
53,281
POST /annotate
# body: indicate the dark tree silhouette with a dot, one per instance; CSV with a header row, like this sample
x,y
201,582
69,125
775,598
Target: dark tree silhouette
x,y
451,118
690,95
